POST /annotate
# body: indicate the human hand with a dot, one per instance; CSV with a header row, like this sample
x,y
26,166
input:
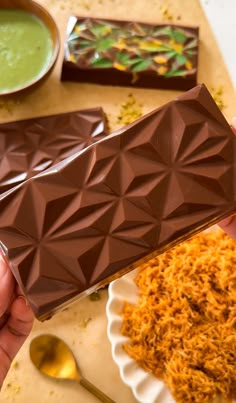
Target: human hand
x,y
16,319
229,223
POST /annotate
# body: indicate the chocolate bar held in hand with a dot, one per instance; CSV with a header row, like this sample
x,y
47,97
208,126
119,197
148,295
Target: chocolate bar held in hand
x,y
93,217
29,146
130,54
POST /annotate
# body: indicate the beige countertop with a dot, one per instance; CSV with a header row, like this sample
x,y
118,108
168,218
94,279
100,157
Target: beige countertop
x,y
83,327
83,324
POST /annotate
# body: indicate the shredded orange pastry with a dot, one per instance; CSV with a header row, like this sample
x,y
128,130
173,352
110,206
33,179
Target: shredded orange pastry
x,y
183,328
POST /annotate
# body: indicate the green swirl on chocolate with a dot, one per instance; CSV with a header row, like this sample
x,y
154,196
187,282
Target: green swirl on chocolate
x,y
169,50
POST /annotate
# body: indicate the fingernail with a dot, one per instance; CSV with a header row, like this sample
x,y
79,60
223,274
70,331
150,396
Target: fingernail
x,y
234,122
23,297
2,259
3,265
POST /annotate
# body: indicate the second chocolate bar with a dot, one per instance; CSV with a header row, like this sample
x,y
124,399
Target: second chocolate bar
x,y
130,53
27,147
128,197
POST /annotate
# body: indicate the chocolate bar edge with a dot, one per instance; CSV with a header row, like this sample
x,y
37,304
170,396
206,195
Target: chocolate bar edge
x,y
113,77
130,267
43,317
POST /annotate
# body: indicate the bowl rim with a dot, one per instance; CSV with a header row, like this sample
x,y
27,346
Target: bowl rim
x,y
55,51
145,387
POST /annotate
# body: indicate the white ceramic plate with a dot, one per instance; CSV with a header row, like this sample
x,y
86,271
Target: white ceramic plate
x,y
145,387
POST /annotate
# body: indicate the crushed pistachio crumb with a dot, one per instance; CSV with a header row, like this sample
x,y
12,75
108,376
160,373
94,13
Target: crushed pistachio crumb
x,y
166,13
130,111
218,95
84,322
85,4
15,388
8,104
107,122
95,296
15,364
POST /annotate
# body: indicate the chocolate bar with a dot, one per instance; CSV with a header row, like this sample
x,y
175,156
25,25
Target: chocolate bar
x,y
130,54
134,194
30,146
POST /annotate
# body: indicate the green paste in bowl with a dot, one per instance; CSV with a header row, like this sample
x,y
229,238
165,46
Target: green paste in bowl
x,y
26,49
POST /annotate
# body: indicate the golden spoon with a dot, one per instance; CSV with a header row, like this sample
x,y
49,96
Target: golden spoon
x,y
52,357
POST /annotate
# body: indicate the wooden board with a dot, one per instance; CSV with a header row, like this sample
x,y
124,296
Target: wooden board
x,y
83,325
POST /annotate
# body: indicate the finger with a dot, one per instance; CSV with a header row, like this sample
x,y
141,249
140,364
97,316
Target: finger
x,y
7,284
229,226
17,328
19,292
3,320
14,333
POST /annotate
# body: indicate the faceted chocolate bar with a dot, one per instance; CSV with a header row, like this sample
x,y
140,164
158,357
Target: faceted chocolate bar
x,y
130,53
30,146
91,218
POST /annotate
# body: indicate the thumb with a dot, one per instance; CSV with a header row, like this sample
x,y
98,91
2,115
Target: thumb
x,y
7,285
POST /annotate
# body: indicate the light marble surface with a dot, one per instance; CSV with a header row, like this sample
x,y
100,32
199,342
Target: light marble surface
x,y
222,17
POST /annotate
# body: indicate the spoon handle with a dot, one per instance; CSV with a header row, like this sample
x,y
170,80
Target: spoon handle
x,y
95,391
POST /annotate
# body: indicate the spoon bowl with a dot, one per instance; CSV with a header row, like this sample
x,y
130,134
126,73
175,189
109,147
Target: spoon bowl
x,y
52,357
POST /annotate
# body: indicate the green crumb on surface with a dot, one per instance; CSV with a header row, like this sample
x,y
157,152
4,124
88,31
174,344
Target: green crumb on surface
x,y
95,296
166,14
8,104
129,111
85,4
15,364
14,388
84,322
107,123
218,96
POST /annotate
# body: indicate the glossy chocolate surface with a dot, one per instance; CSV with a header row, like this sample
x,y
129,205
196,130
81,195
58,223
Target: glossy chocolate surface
x,y
30,146
128,53
91,218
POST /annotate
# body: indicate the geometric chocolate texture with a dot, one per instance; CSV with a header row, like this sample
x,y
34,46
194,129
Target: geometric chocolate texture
x,y
30,146
89,219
